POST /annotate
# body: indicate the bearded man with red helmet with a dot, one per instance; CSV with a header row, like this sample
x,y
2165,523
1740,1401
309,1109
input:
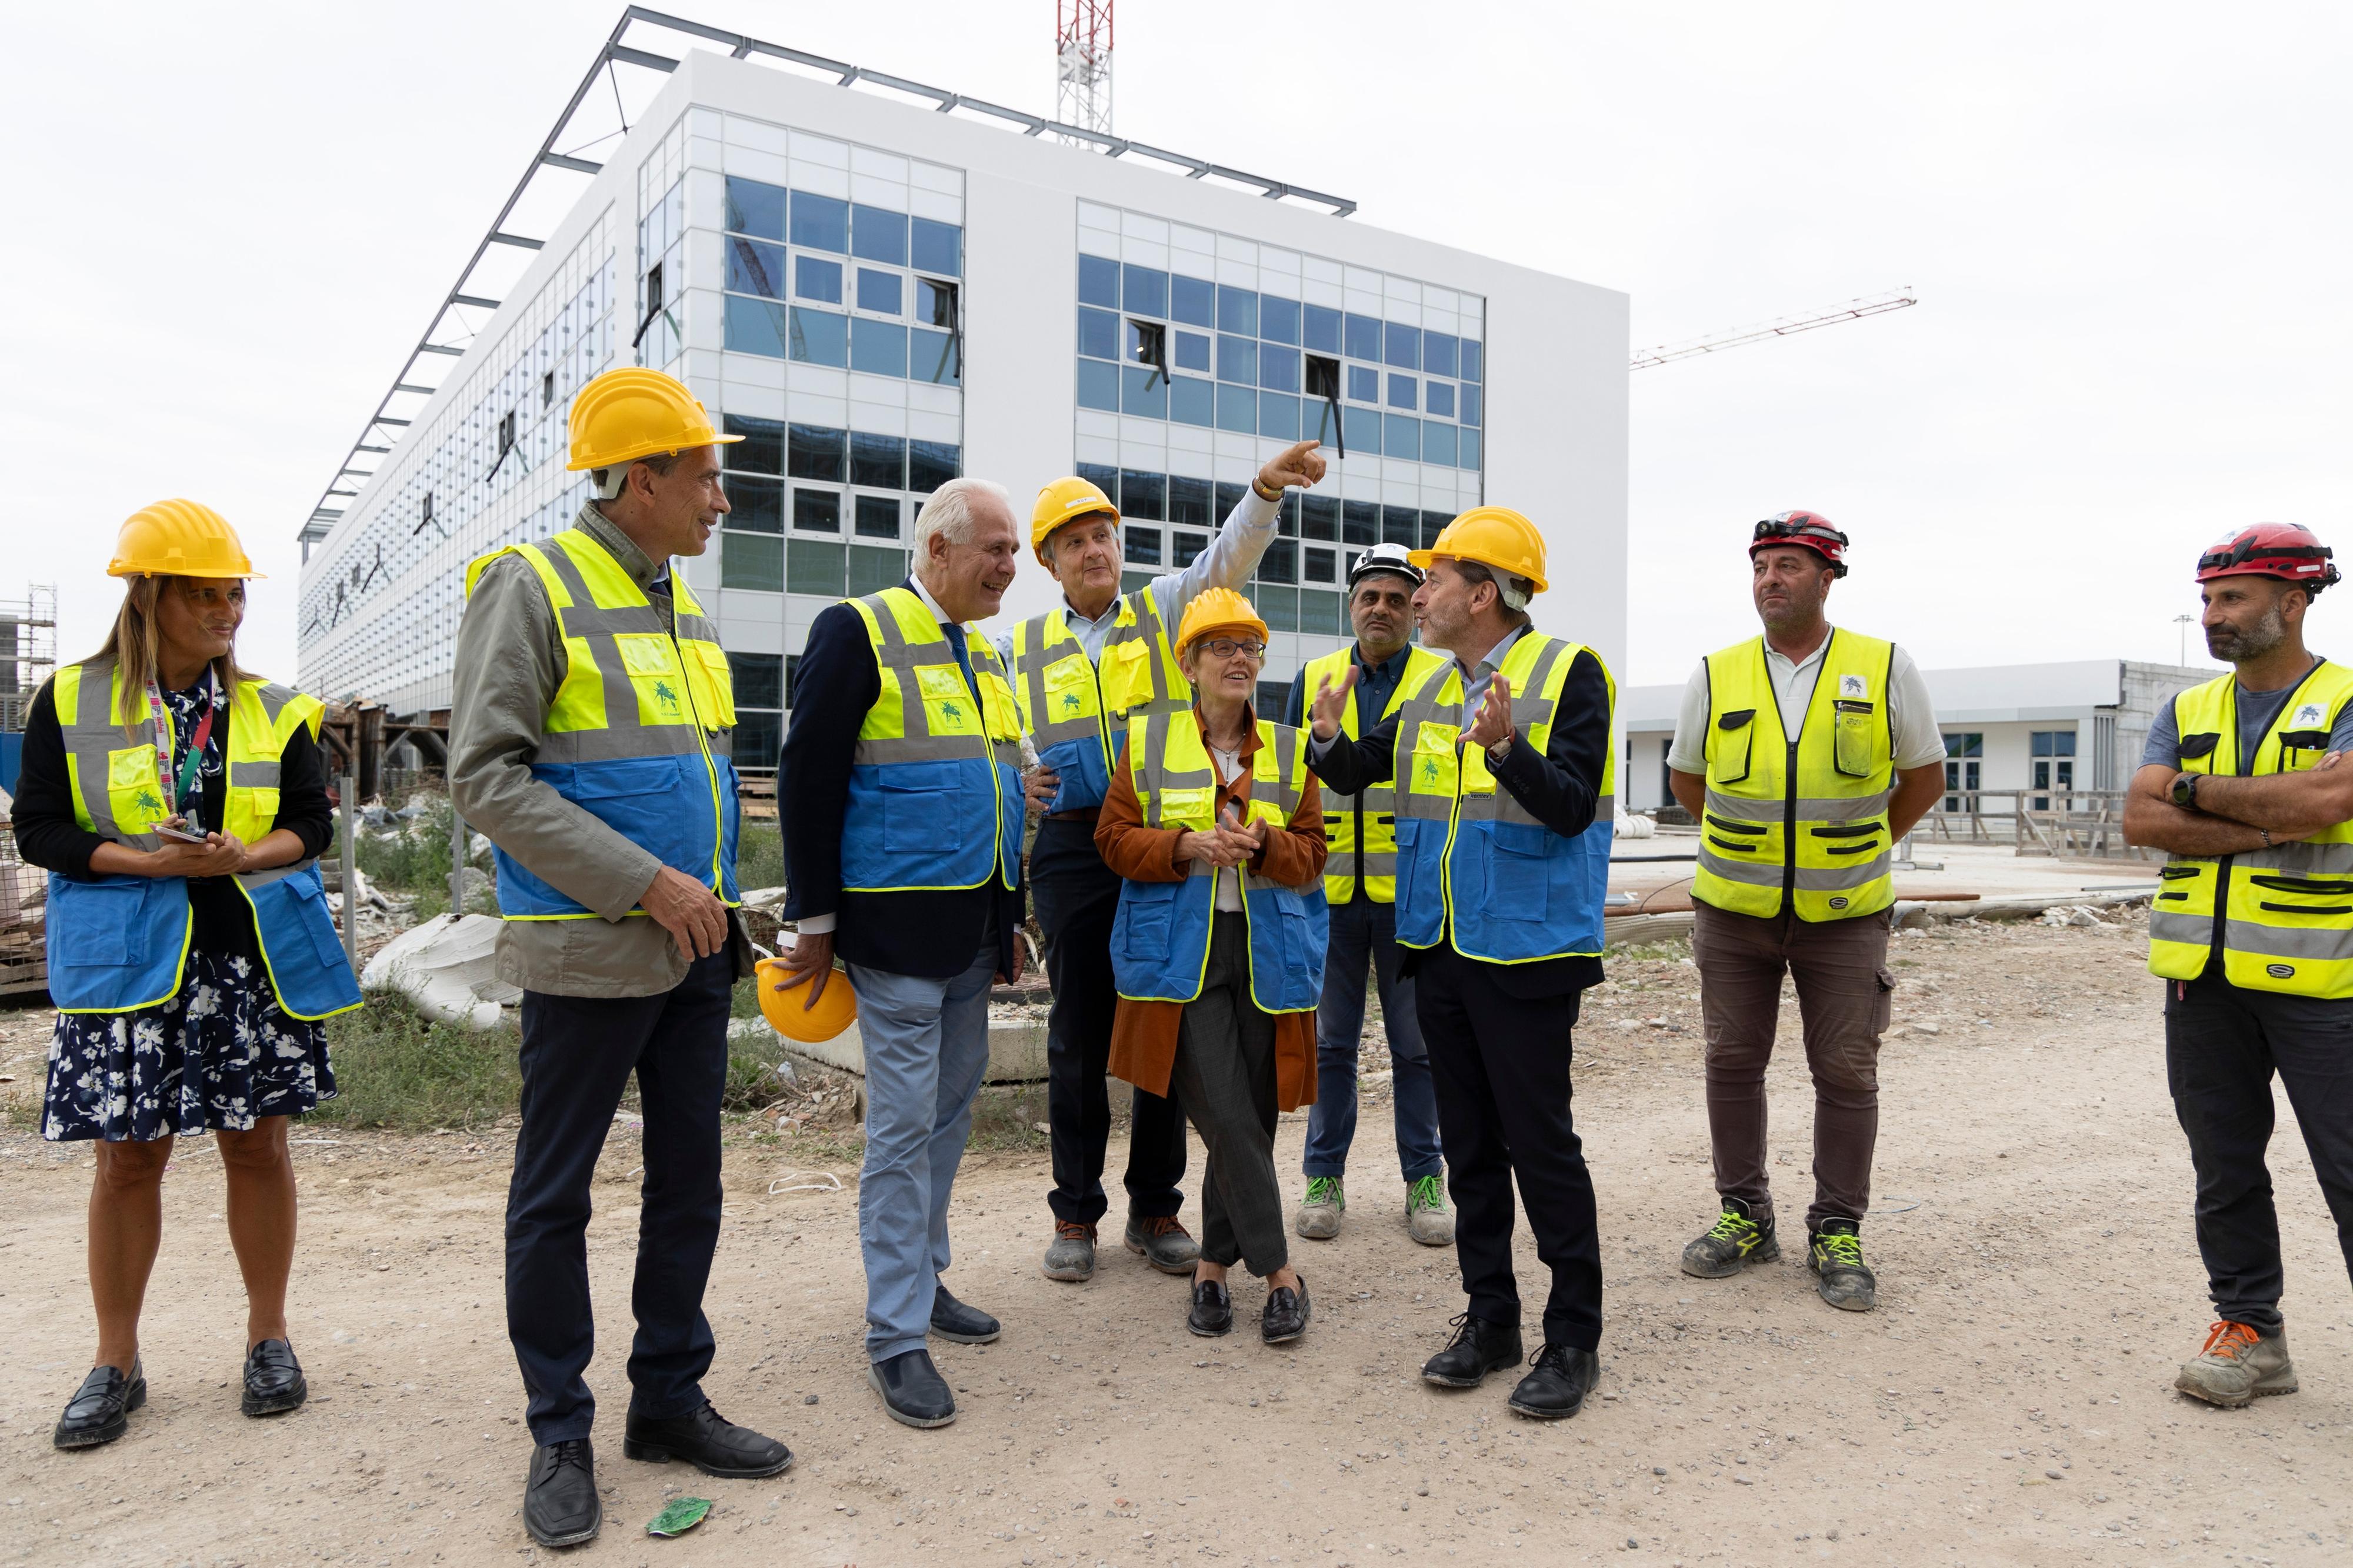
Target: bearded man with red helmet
x,y
1805,755
2253,930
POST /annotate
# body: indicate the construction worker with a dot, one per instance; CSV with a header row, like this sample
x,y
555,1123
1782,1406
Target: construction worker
x,y
1360,886
901,796
1805,755
1504,778
2242,782
1081,671
588,733
180,806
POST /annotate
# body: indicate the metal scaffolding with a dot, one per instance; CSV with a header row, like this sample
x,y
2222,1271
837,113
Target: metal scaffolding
x,y
28,650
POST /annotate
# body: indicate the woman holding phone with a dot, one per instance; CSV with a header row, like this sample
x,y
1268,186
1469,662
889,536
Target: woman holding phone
x,y
178,805
1213,821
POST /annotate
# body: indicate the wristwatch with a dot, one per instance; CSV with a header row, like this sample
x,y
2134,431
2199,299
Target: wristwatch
x,y
2185,791
1499,750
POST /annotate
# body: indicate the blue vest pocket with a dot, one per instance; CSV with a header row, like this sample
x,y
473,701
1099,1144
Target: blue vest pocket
x,y
1078,764
1520,870
99,924
116,944
919,807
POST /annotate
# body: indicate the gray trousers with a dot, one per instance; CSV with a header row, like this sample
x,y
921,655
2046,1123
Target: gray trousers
x,y
1224,1077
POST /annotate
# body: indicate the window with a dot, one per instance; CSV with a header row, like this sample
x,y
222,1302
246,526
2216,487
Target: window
x,y
816,511
1237,409
1437,398
1404,393
754,327
1280,606
1322,328
1399,526
1278,319
1402,346
2053,764
819,337
1433,524
1364,337
547,389
881,292
872,570
815,452
1467,454
1324,614
878,348
1278,416
1098,333
1184,549
935,303
878,234
934,357
1193,351
878,461
1472,411
1319,565
1474,361
938,247
1319,517
653,292
1099,386
1193,301
1237,311
1439,355
1142,497
1192,402
1438,443
1278,368
1402,438
754,266
1963,765
1143,393
755,208
1142,545
1188,502
814,278
1099,282
506,441
814,566
821,223
1364,430
1363,386
759,682
753,561
758,740
1144,289
1238,359
1147,343
1280,563
878,516
1229,496
424,522
756,504
931,463
1103,478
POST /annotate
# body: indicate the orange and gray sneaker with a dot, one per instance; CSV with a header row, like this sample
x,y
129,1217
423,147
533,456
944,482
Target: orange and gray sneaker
x,y
2235,1364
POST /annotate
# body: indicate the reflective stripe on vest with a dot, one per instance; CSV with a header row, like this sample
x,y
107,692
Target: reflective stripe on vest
x,y
935,797
628,738
1367,819
1160,938
1807,818
1474,865
117,944
2287,911
1077,713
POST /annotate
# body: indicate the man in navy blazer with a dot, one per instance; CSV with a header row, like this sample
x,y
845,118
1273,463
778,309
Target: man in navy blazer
x,y
900,792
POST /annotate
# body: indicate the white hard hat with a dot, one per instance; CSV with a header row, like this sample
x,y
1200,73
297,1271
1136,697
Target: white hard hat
x,y
1384,558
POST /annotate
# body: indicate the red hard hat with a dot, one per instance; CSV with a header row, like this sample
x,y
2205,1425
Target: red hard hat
x,y
1808,529
2284,550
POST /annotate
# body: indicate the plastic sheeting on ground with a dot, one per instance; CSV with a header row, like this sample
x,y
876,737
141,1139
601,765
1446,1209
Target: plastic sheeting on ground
x,y
444,968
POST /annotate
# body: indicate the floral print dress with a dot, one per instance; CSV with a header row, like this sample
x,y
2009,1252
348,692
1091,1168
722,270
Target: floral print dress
x,y
219,1053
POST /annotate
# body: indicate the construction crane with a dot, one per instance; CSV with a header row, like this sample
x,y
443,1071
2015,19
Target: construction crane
x,y
1852,310
1083,65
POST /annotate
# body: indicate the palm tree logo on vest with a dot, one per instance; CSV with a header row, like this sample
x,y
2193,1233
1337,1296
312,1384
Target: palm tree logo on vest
x,y
148,803
666,697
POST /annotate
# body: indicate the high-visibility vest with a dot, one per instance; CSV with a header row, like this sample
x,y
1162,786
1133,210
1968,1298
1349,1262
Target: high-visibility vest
x,y
1474,864
121,942
935,778
1077,713
1803,819
629,737
1361,828
2286,912
1160,940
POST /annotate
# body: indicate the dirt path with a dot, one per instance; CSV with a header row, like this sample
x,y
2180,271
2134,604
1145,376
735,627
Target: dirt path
x,y
2009,1403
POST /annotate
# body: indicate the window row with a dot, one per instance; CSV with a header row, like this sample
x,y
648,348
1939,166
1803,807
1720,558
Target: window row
x,y
1246,361
765,563
1149,291
839,457
1220,405
755,267
775,331
844,227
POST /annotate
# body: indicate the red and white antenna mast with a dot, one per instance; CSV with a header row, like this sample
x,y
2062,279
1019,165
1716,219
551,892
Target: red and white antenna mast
x,y
1082,64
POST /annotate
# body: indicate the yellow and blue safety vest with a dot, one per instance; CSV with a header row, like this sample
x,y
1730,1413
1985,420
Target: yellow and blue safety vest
x,y
1077,712
1160,940
1367,819
118,944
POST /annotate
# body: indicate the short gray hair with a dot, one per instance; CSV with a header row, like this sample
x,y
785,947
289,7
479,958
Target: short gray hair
x,y
949,512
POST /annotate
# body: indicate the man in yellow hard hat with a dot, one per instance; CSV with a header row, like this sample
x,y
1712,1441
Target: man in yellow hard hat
x,y
1081,671
1503,825
589,725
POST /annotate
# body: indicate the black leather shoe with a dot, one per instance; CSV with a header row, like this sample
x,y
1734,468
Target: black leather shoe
x,y
273,1378
1286,1314
708,1441
1213,1309
100,1411
1477,1348
913,1390
952,1319
1557,1381
560,1505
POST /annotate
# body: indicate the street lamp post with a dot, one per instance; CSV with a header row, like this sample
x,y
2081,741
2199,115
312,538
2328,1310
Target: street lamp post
x,y
2184,622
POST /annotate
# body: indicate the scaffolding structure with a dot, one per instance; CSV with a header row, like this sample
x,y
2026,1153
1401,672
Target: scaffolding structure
x,y
1082,39
28,650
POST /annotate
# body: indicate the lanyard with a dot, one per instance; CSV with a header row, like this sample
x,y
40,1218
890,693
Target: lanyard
x,y
177,797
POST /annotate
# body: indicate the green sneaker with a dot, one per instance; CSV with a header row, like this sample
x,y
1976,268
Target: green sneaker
x,y
1740,1236
1841,1278
1319,1213
1427,1219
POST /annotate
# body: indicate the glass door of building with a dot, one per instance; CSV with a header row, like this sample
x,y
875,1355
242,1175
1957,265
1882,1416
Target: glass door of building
x,y
1964,770
2051,764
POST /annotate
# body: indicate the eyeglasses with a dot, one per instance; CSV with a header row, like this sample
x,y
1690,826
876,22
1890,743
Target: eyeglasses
x,y
1226,647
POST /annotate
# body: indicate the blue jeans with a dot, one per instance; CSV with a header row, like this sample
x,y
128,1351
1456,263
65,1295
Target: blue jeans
x,y
926,1044
1364,931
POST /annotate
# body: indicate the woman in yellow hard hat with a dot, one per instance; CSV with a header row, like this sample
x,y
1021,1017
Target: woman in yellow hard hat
x,y
179,804
1218,949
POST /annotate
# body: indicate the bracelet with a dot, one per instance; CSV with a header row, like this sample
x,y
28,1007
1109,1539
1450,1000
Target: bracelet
x,y
1262,491
2267,837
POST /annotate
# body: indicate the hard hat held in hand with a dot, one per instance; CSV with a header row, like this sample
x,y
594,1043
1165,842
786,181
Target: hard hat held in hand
x,y
835,1011
1493,536
1218,609
632,413
179,539
1065,501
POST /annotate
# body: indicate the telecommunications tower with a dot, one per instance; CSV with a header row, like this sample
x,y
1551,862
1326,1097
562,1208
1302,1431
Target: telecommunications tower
x,y
1083,65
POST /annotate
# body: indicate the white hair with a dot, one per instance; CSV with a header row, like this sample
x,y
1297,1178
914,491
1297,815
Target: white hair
x,y
949,512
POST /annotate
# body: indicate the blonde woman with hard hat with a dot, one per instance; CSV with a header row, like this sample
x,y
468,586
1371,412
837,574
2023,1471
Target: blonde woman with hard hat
x,y
179,804
1213,821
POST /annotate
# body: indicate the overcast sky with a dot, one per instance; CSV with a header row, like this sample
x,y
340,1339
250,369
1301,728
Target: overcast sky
x,y
227,224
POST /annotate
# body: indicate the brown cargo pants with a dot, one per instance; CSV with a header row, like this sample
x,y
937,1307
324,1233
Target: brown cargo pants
x,y
1843,999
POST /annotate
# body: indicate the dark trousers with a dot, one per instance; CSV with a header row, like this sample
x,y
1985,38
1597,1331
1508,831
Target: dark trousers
x,y
2223,1045
1364,935
1077,898
1224,1073
1845,993
1500,1064
577,1055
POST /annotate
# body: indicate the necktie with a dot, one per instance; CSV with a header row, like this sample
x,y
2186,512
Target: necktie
x,y
964,655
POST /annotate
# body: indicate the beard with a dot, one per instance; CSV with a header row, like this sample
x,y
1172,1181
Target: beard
x,y
2238,645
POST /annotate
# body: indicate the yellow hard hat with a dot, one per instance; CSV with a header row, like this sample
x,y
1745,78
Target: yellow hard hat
x,y
179,539
1065,501
786,1010
632,413
1493,536
1213,608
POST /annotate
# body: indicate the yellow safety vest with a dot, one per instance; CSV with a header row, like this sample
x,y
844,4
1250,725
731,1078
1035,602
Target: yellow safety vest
x,y
1804,819
1076,713
1366,820
2286,912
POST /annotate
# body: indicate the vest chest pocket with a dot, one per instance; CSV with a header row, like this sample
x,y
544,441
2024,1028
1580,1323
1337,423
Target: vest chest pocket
x,y
1127,674
1436,765
2300,749
949,706
1519,872
1188,809
661,686
1070,691
1736,734
130,775
713,685
1854,727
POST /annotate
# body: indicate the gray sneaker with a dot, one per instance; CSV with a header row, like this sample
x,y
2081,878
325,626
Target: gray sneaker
x,y
2237,1364
1319,1213
1165,1242
1427,1219
1073,1255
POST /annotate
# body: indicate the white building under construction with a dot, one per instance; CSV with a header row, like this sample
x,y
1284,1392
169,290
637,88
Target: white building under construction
x,y
882,285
